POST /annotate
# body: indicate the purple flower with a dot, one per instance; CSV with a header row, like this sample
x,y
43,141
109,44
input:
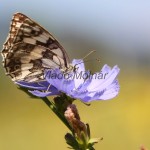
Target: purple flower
x,y
78,84
41,89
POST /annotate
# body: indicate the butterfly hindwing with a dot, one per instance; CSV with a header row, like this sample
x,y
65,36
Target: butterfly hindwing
x,y
30,49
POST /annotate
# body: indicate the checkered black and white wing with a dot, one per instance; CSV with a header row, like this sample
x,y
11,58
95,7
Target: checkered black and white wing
x,y
30,49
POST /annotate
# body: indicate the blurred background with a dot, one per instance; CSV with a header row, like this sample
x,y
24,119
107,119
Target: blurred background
x,y
119,31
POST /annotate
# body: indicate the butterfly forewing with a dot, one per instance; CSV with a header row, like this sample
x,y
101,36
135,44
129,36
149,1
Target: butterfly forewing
x,y
30,49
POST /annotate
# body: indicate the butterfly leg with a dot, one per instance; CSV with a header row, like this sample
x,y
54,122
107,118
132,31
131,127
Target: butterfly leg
x,y
48,88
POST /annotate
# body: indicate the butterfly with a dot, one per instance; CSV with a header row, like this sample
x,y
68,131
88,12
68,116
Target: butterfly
x,y
30,49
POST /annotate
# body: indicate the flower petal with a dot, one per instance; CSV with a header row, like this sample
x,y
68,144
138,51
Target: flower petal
x,y
79,71
100,84
43,94
111,91
42,85
64,84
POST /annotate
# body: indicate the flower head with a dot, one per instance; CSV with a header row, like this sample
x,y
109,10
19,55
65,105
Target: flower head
x,y
78,84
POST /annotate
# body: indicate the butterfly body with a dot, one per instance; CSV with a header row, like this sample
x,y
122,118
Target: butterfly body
x,y
30,49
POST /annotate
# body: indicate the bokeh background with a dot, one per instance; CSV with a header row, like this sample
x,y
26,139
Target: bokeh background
x,y
119,31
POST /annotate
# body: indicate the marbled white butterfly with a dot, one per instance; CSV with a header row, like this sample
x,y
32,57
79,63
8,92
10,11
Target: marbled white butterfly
x,y
30,49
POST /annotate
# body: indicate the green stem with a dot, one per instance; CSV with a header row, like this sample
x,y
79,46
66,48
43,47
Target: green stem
x,y
54,109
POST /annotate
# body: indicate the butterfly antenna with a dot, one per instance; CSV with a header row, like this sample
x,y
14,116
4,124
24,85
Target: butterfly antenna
x,y
89,54
97,59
